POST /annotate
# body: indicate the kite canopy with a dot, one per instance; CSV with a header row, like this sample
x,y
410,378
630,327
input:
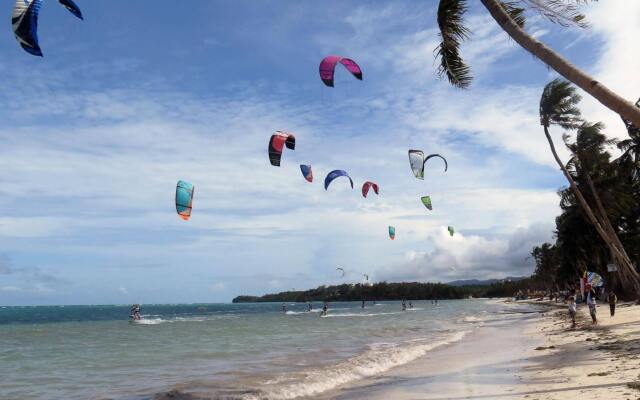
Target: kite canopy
x,y
277,143
25,22
335,174
392,232
366,277
184,199
426,200
341,270
594,279
450,229
417,160
367,185
306,172
328,66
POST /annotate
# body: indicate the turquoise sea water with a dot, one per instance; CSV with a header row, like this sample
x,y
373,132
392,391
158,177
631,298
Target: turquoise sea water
x,y
231,351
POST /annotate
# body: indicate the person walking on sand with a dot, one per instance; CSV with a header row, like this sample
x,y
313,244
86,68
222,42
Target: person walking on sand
x,y
572,311
613,299
591,302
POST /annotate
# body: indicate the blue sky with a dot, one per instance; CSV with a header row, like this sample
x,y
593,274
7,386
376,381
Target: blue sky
x,y
96,134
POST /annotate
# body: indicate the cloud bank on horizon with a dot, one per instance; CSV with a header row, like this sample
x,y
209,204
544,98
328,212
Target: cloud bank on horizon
x,y
96,135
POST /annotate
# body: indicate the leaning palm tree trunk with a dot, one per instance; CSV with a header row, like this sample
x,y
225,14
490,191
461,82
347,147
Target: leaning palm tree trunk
x,y
630,276
606,222
554,60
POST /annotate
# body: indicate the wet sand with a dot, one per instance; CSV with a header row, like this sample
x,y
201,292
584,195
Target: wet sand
x,y
536,358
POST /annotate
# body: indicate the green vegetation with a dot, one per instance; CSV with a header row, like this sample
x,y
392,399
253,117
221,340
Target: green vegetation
x,y
600,219
391,291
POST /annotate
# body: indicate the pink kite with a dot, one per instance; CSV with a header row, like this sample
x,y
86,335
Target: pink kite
x,y
328,66
366,186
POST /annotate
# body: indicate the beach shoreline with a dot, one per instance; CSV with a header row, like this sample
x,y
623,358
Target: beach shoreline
x,y
536,357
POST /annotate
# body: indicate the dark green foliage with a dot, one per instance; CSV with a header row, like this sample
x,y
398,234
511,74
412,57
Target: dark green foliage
x,y
452,34
578,245
391,291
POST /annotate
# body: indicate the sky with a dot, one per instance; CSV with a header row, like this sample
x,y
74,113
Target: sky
x,y
95,135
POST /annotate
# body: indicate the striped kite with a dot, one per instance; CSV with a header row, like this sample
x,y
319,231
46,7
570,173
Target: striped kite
x,y
306,172
184,199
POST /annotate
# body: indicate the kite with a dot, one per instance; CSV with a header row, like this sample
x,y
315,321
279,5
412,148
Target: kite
x,y
341,269
417,161
306,172
335,174
392,232
25,22
184,199
426,200
328,66
594,279
450,229
276,145
367,185
366,277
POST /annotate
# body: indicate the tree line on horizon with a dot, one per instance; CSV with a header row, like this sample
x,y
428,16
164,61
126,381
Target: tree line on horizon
x,y
382,291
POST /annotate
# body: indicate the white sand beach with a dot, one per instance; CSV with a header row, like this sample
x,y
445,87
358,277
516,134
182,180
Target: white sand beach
x,y
538,357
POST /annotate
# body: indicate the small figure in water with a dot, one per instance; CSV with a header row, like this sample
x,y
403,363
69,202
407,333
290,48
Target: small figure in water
x,y
284,308
404,305
310,307
410,305
325,308
134,313
436,301
362,303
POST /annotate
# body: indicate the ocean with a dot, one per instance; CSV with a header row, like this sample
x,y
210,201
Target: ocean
x,y
221,351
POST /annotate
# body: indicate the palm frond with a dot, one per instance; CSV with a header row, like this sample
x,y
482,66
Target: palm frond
x,y
558,105
515,12
452,34
561,12
633,131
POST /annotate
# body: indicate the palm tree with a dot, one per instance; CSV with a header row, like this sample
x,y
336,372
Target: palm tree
x,y
510,17
558,106
631,147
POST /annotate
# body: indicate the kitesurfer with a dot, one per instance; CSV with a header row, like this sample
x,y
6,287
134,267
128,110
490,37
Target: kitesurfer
x,y
404,305
310,306
410,305
362,303
284,308
325,308
134,313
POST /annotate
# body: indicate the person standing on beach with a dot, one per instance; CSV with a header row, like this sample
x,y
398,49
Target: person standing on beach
x,y
613,299
572,311
591,302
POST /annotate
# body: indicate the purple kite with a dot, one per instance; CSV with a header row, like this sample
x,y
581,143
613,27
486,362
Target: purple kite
x,y
328,66
306,172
